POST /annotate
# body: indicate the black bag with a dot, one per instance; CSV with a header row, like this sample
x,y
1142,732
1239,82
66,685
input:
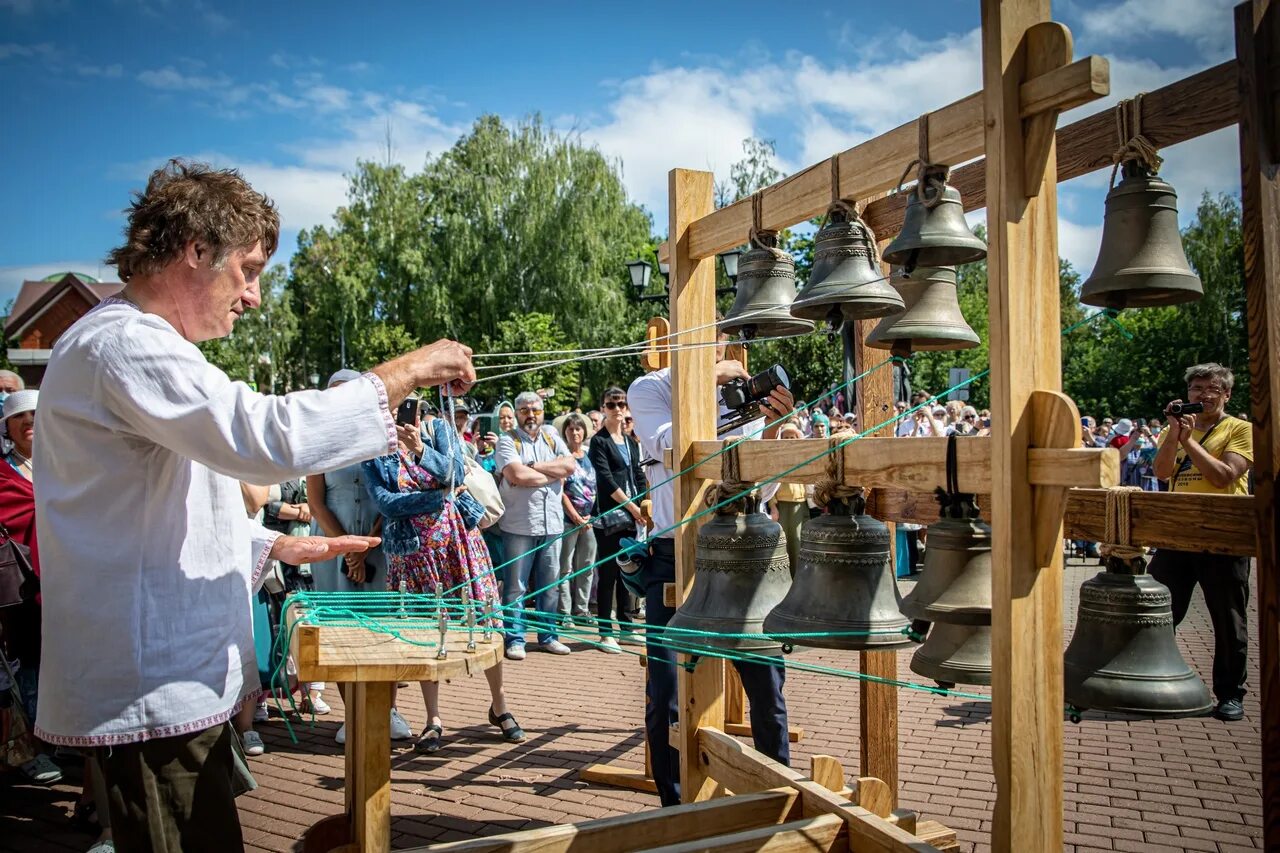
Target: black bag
x,y
18,581
618,521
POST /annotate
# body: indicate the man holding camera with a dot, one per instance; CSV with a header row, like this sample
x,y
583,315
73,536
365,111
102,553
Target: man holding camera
x,y
650,399
1207,451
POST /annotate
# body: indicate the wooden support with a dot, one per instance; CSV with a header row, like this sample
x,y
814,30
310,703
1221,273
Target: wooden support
x,y
1022,270
820,834
655,355
693,401
1258,61
368,760
631,778
735,699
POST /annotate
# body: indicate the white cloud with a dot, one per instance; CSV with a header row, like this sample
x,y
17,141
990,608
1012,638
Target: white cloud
x,y
113,70
172,80
1208,24
10,50
1078,243
414,133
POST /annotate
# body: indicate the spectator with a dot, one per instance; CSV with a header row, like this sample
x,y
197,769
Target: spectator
x,y
821,425
906,424
461,426
578,547
792,506
1210,453
597,418
616,458
287,512
533,463
954,410
966,424
432,541
1120,434
488,459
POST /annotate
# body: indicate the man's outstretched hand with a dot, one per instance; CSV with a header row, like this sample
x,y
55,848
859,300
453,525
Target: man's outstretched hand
x,y
296,550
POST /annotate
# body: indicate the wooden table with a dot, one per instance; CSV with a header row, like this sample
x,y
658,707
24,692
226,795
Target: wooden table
x,y
370,663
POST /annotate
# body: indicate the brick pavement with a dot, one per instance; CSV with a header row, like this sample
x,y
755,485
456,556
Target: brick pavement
x,y
1130,785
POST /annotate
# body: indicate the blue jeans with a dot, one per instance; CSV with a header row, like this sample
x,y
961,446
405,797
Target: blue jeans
x,y
538,570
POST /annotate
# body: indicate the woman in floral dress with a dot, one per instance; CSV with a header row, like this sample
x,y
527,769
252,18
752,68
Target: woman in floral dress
x,y
431,536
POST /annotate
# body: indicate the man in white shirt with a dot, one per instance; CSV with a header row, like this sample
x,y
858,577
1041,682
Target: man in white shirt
x,y
149,560
650,401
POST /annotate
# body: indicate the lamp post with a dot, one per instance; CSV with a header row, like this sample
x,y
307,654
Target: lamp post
x,y
729,260
642,273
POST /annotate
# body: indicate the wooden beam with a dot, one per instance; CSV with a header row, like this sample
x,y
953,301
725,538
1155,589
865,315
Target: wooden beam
x,y
742,769
643,829
1186,109
368,762
693,403
1222,524
1025,341
820,834
1258,59
631,778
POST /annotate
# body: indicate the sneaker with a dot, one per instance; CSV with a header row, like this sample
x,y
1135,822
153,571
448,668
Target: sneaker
x,y
316,705
609,646
631,638
1229,710
568,623
261,713
554,647
104,846
252,742
341,736
515,651
42,770
399,728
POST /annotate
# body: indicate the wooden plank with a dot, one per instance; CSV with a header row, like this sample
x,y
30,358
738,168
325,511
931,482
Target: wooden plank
x,y
1221,524
693,401
795,734
938,836
1073,466
369,771
1258,58
735,698
1055,422
643,829
1026,356
878,720
742,769
655,355
875,796
810,835
631,778
828,772
1183,110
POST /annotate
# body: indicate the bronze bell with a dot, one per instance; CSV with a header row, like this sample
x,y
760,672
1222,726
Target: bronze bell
x,y
955,584
844,585
1122,656
934,231
740,573
766,288
955,654
932,319
1141,263
845,283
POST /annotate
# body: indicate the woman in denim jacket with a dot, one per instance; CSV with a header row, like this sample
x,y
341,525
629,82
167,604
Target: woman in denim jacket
x,y
431,535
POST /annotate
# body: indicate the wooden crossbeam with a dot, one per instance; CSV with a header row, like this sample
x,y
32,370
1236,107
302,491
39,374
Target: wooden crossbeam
x,y
820,834
917,465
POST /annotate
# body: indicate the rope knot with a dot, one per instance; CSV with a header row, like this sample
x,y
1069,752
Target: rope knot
x,y
1118,525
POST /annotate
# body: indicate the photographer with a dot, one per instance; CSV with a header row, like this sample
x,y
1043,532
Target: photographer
x,y
1207,451
650,399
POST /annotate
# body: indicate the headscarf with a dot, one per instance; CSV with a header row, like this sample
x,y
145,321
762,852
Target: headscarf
x,y
346,374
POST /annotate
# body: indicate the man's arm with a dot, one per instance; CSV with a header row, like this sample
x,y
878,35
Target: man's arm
x,y
441,363
650,403
1220,473
515,472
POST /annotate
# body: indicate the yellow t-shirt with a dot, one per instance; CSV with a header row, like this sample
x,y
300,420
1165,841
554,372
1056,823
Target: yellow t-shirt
x,y
791,492
1231,434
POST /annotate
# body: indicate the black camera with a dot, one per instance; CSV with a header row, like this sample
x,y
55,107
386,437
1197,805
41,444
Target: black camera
x,y
744,396
1186,408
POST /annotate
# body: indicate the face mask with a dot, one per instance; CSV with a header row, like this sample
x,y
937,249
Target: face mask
x,y
4,395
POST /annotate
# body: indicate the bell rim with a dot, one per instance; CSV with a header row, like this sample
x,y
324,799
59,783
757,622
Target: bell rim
x,y
953,255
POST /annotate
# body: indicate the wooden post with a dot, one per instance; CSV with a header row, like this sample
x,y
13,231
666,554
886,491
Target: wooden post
x,y
368,756
1018,43
1257,54
693,404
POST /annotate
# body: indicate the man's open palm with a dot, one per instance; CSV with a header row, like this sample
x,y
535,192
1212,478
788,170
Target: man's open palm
x,y
296,550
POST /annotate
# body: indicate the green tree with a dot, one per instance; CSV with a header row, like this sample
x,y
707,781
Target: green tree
x,y
532,332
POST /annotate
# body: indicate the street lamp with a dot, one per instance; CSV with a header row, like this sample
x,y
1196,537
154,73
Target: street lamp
x,y
641,273
730,261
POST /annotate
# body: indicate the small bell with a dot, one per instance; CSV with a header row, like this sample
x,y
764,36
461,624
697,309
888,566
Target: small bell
x,y
932,319
741,572
955,584
844,585
845,283
955,654
934,231
1141,263
766,289
1123,656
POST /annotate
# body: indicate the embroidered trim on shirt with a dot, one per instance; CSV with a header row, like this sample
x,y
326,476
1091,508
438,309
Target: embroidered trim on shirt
x,y
263,558
393,443
120,738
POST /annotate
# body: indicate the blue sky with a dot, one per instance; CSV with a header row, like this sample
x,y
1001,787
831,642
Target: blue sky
x,y
96,94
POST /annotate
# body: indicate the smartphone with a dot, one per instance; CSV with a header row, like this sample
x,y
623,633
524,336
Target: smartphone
x,y
407,413
486,424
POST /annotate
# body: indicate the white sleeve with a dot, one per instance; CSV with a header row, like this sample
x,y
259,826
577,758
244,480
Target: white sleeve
x,y
263,540
649,399
161,387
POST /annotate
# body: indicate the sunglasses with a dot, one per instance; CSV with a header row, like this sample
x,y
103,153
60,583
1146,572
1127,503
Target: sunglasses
x,y
616,404
629,420
970,417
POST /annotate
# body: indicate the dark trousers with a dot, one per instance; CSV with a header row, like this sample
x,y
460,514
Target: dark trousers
x,y
1224,579
173,794
610,590
763,684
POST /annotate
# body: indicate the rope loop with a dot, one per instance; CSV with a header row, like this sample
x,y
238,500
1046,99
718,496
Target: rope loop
x,y
1134,146
1119,524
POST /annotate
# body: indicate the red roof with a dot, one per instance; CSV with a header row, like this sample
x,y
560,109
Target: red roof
x,y
35,296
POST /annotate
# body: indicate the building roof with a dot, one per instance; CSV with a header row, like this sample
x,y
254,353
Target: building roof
x,y
35,296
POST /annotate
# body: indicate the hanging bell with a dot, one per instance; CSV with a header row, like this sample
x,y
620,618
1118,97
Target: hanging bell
x,y
1141,263
955,584
766,289
845,283
955,654
934,231
844,585
741,572
1122,656
932,319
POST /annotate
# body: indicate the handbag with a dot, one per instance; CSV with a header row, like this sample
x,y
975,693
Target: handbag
x,y
481,486
18,581
617,520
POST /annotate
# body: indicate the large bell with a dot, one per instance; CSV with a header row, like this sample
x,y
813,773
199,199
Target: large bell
x,y
932,320
955,584
766,288
740,573
1141,262
1122,656
844,585
934,231
955,654
846,282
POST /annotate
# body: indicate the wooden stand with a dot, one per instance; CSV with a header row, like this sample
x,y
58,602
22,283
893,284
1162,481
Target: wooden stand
x,y
370,664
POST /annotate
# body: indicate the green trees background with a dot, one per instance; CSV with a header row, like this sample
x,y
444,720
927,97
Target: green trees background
x,y
516,240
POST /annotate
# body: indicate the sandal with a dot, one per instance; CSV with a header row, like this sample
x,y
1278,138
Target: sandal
x,y
426,743
512,733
